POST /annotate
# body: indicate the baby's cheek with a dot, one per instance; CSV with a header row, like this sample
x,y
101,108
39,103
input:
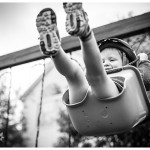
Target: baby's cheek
x,y
116,65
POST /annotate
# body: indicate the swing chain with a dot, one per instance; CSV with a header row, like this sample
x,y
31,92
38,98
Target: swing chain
x,y
40,109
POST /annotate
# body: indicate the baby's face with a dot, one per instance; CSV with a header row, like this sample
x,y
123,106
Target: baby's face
x,y
111,58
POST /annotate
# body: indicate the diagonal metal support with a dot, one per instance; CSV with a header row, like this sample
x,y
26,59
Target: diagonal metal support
x,y
122,29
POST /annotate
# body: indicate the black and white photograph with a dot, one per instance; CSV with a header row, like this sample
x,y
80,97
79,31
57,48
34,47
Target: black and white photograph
x,y
74,74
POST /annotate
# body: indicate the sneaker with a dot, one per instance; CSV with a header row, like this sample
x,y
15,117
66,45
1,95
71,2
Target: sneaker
x,y
76,20
49,36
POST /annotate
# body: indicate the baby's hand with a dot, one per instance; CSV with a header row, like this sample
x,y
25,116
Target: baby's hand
x,y
143,56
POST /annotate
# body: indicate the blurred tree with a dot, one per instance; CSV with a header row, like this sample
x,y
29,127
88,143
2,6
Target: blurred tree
x,y
12,125
136,137
70,137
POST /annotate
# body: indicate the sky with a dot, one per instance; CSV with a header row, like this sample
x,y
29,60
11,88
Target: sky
x,y
18,30
17,19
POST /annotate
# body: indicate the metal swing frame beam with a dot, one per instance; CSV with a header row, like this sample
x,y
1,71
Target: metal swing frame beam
x,y
121,29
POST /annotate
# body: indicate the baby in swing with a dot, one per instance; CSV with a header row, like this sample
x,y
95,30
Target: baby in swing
x,y
98,56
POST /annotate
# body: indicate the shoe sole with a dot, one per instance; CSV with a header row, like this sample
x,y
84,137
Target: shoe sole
x,y
46,24
76,20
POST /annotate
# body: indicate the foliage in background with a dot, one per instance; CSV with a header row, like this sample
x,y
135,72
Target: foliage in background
x,y
12,127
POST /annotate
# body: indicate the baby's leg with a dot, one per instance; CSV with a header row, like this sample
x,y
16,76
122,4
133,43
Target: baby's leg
x,y
51,46
77,25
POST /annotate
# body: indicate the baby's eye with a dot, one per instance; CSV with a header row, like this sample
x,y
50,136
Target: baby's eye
x,y
112,59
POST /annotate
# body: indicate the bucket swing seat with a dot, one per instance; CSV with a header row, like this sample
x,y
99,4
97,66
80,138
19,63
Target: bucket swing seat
x,y
116,114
